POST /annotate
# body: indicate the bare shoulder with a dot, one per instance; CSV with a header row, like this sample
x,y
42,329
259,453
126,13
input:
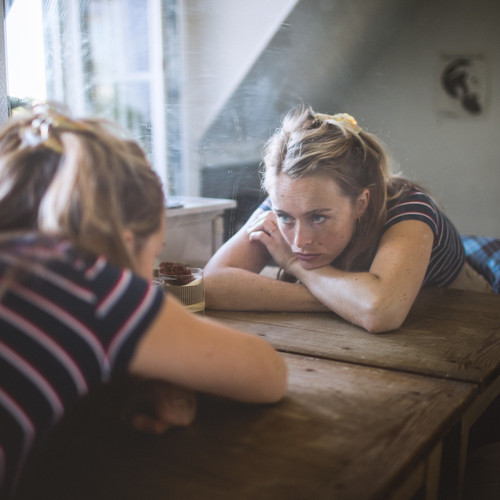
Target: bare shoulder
x,y
408,233
404,250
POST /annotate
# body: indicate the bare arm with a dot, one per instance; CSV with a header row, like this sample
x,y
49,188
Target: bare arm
x,y
378,300
202,355
233,282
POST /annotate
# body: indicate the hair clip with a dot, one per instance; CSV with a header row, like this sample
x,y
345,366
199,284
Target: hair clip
x,y
340,118
38,133
47,117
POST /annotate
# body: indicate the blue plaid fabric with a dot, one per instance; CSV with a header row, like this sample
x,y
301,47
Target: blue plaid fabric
x,y
483,254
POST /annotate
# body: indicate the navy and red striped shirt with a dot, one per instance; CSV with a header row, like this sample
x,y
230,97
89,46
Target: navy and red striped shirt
x,y
448,256
66,323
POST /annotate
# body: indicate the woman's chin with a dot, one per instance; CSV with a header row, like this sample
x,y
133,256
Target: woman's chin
x,y
309,265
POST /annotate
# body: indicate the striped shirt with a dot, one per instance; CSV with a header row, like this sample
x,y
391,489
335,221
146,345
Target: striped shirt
x,y
447,256
66,323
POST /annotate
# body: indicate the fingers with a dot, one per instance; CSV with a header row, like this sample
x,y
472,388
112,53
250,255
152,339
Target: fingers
x,y
179,408
265,223
150,425
155,406
264,230
260,235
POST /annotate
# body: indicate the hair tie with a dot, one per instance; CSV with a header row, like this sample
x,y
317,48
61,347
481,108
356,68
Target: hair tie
x,y
46,118
344,119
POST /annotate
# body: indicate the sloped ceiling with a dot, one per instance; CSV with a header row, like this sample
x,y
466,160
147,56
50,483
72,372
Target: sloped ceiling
x,y
321,48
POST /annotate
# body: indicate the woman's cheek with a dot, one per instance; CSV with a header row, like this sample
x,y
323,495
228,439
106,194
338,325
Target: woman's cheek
x,y
287,235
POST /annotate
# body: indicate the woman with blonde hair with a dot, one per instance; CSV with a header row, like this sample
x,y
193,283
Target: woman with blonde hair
x,y
82,219
348,234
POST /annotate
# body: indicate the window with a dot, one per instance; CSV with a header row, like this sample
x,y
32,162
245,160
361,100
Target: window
x,y
99,57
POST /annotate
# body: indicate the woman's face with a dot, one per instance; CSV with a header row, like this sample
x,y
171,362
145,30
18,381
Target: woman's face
x,y
145,258
316,219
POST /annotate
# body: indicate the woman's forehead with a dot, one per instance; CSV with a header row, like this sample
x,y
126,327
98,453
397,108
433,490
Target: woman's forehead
x,y
305,194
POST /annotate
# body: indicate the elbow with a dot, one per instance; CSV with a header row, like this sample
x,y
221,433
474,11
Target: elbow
x,y
381,326
275,384
213,293
275,391
218,302
274,395
282,385
378,318
212,302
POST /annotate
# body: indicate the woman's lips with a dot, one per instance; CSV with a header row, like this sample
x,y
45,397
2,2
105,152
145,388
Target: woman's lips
x,y
307,257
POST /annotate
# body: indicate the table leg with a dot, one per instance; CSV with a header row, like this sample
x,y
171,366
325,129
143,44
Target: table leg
x,y
433,472
480,405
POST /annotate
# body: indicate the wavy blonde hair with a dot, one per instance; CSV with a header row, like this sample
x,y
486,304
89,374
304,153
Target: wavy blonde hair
x,y
306,145
83,180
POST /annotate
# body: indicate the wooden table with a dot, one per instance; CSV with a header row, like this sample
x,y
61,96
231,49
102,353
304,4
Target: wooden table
x,y
366,416
343,432
448,334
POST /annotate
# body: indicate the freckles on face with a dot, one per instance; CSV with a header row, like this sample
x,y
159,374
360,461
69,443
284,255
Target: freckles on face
x,y
316,219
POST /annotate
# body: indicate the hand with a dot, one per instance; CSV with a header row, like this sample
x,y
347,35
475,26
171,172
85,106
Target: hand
x,y
265,221
153,406
163,406
264,228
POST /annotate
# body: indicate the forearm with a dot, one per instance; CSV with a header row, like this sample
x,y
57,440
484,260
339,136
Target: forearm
x,y
238,289
360,298
201,354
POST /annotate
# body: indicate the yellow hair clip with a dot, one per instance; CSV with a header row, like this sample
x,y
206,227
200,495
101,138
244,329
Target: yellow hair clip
x,y
340,118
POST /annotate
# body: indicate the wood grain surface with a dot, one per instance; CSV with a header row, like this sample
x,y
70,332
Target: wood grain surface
x,y
448,333
342,432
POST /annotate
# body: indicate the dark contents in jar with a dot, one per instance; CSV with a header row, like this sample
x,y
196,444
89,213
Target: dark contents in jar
x,y
175,273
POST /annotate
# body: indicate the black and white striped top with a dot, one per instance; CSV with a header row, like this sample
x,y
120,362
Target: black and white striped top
x,y
66,323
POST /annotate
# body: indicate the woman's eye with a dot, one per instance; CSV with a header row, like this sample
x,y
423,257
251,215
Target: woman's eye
x,y
318,218
285,219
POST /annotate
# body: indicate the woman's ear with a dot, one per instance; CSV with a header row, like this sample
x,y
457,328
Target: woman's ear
x,y
128,238
362,203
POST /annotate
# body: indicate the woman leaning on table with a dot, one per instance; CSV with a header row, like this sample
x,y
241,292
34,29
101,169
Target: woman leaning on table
x,y
350,235
81,220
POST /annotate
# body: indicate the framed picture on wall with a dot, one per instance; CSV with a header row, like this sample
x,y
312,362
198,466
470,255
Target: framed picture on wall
x,y
462,85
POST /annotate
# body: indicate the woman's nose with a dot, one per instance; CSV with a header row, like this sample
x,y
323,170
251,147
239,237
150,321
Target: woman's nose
x,y
303,236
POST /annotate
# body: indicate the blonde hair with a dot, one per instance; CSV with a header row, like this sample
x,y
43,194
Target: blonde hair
x,y
81,179
308,143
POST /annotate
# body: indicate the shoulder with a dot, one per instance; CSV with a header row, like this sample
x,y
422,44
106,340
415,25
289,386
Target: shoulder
x,y
113,303
413,199
86,286
414,205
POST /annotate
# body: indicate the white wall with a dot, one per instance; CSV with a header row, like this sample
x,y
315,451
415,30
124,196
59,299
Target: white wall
x,y
458,159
